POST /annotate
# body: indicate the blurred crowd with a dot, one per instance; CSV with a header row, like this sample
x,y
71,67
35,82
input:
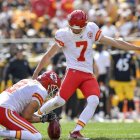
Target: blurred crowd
x,y
27,19
23,19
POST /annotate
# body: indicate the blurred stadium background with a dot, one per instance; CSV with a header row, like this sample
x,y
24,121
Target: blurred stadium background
x,y
28,27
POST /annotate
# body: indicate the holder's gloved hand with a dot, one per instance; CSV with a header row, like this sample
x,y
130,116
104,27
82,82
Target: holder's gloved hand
x,y
48,117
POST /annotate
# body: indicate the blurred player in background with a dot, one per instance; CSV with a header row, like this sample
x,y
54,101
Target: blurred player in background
x,y
102,59
19,102
17,68
124,75
76,42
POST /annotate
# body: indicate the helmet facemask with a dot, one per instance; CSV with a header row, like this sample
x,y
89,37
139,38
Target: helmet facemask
x,y
77,30
52,91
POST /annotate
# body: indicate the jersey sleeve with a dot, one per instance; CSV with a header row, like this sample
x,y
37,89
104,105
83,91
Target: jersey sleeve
x,y
39,96
97,33
59,38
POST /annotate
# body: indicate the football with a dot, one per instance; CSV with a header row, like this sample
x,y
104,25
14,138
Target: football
x,y
54,130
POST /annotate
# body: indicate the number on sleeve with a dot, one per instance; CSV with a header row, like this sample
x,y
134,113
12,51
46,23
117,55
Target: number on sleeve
x,y
82,44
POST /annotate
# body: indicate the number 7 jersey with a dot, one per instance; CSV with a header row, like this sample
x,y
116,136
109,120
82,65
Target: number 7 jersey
x,y
77,48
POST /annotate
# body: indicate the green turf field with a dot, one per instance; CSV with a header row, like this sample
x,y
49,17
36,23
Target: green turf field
x,y
99,131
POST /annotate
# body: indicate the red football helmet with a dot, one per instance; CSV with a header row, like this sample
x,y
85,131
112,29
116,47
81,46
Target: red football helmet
x,y
77,19
50,81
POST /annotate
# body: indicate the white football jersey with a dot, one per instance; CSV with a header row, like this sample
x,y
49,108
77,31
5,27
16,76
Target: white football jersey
x,y
78,48
21,94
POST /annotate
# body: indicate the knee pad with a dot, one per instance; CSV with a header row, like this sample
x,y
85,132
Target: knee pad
x,y
93,100
58,101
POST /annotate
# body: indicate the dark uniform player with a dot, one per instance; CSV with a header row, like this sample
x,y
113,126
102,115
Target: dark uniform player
x,y
124,73
17,67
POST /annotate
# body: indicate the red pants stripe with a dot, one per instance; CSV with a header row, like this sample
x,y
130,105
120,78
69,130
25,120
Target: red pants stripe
x,y
13,121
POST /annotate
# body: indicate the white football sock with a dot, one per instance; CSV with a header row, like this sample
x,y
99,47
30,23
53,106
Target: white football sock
x,y
7,133
87,113
52,104
24,135
78,127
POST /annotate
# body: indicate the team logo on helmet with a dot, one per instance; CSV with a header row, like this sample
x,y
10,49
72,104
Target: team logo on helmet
x,y
90,35
53,76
